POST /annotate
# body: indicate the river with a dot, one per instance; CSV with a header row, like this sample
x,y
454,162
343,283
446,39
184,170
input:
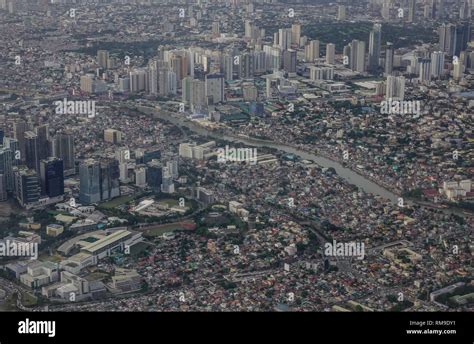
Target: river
x,y
347,174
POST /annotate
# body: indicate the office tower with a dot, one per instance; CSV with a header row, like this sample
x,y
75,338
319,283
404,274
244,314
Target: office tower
x,y
312,51
197,97
425,70
437,64
102,58
447,38
112,136
330,53
89,174
14,146
284,39
43,141
389,55
154,174
227,66
63,148
6,167
138,80
19,129
462,37
341,12
32,158
289,61
52,177
375,39
295,34
109,181
99,181
395,87
411,10
2,135
214,88
179,64
27,186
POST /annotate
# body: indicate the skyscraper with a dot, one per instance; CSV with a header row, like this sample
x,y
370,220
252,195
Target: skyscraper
x,y
27,186
102,58
330,53
63,148
284,38
214,88
289,61
6,167
32,151
395,87
19,129
357,56
437,64
296,34
425,70
375,39
411,10
341,12
99,181
312,51
52,177
389,55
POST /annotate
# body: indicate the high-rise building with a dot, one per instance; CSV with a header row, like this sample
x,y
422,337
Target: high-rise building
x,y
63,148
411,10
27,186
3,190
312,51
6,167
112,136
425,70
99,181
341,12
375,39
357,56
389,56
198,94
295,34
437,64
284,39
247,65
32,157
447,38
102,58
43,141
52,177
19,129
214,88
227,66
138,80
330,53
154,174
395,87
289,61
